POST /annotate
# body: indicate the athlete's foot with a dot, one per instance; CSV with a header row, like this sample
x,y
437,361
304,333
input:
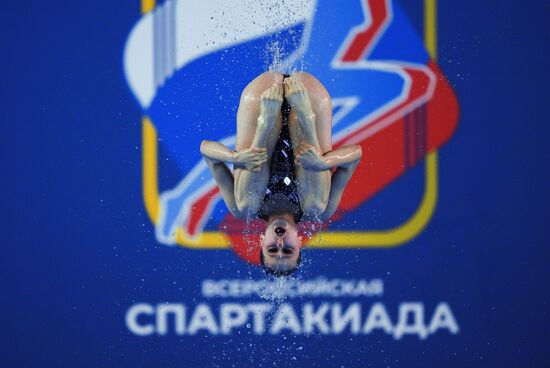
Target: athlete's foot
x,y
270,103
296,95
270,109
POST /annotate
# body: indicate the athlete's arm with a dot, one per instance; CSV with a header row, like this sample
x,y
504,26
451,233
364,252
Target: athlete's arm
x,y
224,179
310,159
215,154
248,159
345,159
340,179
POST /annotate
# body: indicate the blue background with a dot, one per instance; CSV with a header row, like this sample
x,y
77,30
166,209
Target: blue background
x,y
79,249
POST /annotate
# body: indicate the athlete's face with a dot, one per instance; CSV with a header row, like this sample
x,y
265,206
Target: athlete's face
x,y
281,245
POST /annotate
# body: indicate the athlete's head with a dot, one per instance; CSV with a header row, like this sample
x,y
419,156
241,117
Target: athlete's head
x,y
281,247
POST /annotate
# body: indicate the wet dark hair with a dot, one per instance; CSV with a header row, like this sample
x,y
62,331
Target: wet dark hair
x,y
269,270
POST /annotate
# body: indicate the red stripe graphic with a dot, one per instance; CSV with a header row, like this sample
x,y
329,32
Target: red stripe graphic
x,y
365,38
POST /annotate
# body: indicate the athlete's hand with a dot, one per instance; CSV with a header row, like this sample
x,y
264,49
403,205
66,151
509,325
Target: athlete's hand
x,y
309,158
250,159
296,95
271,101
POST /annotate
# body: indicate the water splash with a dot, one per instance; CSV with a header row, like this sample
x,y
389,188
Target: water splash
x,y
274,57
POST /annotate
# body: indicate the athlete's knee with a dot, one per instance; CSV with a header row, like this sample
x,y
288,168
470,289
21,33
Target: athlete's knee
x,y
306,77
246,204
318,94
313,207
242,205
258,85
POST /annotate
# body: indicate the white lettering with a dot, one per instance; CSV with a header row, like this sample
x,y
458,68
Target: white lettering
x,y
259,311
352,316
132,319
203,320
319,286
378,319
417,327
312,318
162,318
231,316
143,319
285,318
443,318
209,288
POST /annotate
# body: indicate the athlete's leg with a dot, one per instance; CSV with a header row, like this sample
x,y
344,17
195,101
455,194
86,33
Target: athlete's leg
x,y
258,126
321,105
310,122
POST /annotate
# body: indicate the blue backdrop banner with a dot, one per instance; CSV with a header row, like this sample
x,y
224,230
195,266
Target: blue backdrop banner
x,y
120,251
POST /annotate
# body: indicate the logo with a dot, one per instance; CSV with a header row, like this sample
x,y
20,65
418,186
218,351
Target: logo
x,y
187,65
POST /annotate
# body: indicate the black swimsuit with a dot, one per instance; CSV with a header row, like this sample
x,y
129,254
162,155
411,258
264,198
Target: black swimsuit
x,y
282,172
